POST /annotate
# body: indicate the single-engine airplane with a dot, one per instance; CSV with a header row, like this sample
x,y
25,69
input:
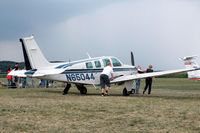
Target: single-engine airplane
x,y
81,72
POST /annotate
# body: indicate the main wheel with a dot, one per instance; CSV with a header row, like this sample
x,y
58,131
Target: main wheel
x,y
125,92
83,90
133,91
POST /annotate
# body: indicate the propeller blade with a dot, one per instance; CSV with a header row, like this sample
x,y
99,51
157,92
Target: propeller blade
x,y
132,59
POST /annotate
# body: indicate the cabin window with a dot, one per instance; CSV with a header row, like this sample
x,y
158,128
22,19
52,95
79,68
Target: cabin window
x,y
97,64
105,61
115,62
89,65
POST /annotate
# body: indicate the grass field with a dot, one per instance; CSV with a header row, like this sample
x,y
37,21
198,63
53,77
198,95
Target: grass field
x,y
173,106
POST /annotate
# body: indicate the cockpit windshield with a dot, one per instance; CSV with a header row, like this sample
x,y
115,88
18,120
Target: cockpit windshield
x,y
105,61
116,62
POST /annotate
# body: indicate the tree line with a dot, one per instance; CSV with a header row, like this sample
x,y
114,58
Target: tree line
x,y
4,65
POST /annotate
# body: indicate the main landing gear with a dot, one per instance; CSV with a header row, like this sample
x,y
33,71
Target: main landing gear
x,y
127,93
81,88
128,88
65,91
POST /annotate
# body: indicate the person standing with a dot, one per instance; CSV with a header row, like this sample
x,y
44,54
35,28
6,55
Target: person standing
x,y
104,78
137,81
148,81
16,78
24,80
9,78
42,83
16,66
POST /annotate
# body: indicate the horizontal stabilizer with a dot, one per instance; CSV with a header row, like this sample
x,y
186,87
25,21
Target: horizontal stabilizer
x,y
40,73
35,73
188,58
18,73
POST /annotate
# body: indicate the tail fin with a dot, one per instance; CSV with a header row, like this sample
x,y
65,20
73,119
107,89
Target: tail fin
x,y
190,62
33,57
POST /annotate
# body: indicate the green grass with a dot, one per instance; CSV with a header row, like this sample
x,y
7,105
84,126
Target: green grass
x,y
174,106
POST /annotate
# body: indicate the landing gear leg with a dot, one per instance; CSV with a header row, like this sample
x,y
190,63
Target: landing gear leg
x,y
133,91
125,92
82,89
128,88
65,91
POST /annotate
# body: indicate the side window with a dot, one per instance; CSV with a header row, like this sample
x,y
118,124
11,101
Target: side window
x,y
105,61
116,62
88,65
97,64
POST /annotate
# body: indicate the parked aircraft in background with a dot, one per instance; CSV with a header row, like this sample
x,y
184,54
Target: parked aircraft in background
x,y
190,62
81,72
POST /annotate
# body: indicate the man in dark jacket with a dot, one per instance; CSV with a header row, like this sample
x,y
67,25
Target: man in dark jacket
x,y
148,81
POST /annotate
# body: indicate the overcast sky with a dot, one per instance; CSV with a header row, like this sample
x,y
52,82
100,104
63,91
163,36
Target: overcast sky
x,y
158,31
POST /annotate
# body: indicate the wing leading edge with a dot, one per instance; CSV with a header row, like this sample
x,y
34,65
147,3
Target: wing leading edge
x,y
153,74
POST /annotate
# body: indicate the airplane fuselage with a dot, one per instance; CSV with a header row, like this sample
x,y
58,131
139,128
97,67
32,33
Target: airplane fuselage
x,y
88,71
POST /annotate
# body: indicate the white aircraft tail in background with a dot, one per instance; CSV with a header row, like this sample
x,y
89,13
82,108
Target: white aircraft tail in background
x,y
190,62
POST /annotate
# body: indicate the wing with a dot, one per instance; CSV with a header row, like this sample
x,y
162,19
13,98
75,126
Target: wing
x,y
153,74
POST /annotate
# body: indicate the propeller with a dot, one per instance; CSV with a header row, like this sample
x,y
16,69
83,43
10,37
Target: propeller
x,y
132,59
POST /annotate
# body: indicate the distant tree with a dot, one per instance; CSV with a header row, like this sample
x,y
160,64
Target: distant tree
x,y
175,75
4,65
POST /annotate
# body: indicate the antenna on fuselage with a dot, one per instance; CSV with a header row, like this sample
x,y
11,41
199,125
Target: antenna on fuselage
x,y
88,55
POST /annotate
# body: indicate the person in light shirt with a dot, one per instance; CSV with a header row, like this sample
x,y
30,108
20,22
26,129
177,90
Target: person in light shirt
x,y
104,78
137,81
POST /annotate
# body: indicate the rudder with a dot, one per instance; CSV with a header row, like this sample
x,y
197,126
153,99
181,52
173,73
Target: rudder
x,y
33,57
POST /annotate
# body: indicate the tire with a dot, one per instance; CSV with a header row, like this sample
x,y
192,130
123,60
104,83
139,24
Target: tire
x,y
133,91
125,92
65,91
83,90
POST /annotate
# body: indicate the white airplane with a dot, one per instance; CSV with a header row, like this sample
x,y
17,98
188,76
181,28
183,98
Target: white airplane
x,y
81,72
190,62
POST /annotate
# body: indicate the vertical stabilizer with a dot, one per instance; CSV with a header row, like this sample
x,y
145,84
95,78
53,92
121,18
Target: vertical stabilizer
x,y
190,62
33,57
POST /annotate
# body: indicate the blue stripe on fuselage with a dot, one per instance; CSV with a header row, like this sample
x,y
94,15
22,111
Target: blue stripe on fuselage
x,y
30,72
97,70
64,66
69,64
82,71
124,69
